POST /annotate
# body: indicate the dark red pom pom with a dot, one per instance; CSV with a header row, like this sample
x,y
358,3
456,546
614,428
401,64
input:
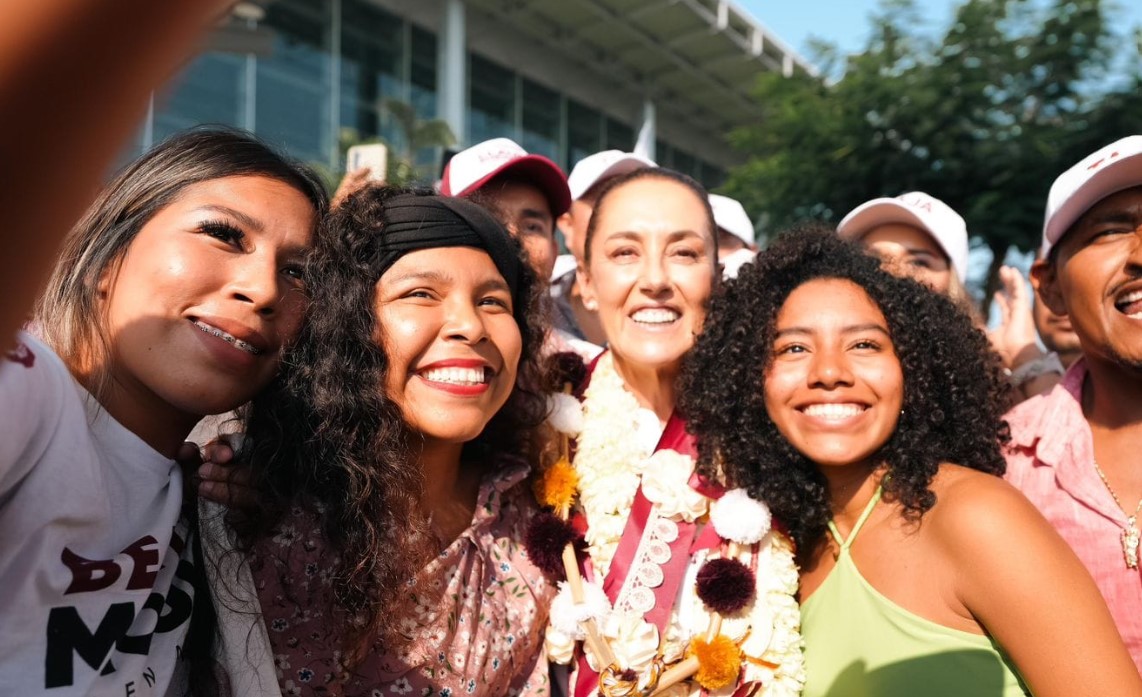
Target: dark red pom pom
x,y
544,541
567,368
725,585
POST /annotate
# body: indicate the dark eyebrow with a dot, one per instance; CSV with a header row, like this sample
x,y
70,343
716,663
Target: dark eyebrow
x,y
431,275
921,252
497,283
851,329
1117,215
241,217
671,236
534,213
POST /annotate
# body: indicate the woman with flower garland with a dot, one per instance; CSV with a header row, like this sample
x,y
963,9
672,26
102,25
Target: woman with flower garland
x,y
389,468
680,588
867,412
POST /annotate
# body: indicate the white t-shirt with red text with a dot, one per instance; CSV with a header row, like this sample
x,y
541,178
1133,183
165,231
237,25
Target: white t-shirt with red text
x,y
96,567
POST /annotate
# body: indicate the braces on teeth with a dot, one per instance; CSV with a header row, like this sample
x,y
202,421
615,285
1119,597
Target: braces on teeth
x,y
233,341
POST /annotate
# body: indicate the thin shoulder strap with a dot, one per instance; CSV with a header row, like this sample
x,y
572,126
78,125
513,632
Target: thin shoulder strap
x,y
845,544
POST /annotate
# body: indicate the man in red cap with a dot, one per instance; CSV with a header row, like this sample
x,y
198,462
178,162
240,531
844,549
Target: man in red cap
x,y
527,192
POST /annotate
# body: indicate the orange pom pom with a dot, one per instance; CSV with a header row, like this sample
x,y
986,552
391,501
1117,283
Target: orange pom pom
x,y
719,661
557,486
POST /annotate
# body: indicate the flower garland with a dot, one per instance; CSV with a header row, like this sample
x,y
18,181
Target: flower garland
x,y
744,595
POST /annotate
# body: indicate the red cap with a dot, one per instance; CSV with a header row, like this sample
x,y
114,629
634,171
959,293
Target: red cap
x,y
470,169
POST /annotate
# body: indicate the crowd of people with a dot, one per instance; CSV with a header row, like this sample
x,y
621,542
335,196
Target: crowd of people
x,y
446,460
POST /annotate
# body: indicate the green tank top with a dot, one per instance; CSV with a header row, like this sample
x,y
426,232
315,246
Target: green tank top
x,y
859,643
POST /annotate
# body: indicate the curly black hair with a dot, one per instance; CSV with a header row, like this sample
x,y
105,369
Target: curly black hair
x,y
326,438
955,392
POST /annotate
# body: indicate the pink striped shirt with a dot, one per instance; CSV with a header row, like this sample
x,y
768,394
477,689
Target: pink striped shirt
x,y
1052,462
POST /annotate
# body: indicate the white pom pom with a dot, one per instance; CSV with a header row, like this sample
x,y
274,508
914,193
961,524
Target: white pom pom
x,y
739,518
568,617
566,413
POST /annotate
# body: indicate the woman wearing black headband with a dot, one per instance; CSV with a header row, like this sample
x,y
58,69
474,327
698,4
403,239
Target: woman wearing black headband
x,y
390,463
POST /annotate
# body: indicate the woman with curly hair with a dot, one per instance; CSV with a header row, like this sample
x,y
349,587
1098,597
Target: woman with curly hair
x,y
866,411
678,589
389,465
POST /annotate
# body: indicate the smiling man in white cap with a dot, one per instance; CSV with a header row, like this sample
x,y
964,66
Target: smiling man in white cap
x,y
587,178
1076,448
528,192
916,234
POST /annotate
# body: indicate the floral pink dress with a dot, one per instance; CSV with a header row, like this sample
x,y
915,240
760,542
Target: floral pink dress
x,y
474,616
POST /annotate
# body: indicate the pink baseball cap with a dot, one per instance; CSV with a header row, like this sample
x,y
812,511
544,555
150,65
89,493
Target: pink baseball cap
x,y
1107,171
603,165
916,208
470,169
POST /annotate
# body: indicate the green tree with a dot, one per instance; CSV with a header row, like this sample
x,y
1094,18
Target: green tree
x,y
983,117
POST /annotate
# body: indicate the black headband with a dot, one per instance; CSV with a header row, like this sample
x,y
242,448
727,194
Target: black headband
x,y
416,222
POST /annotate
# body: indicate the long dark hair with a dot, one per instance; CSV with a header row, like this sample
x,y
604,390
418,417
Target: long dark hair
x,y
955,392
328,438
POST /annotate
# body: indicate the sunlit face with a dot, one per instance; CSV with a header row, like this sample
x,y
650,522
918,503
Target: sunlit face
x,y
651,271
444,317
208,294
909,251
529,219
1096,279
574,222
835,388
1056,332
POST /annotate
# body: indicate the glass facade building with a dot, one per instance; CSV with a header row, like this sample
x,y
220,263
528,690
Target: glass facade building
x,y
318,76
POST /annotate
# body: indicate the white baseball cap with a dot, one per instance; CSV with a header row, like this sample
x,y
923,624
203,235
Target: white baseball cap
x,y
730,216
603,165
1107,171
916,208
470,169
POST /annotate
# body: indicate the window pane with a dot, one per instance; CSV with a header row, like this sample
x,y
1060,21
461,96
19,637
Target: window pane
x,y
294,83
619,136
684,162
583,134
371,50
211,90
492,101
423,73
540,120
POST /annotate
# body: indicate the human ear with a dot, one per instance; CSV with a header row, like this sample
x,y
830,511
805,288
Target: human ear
x,y
586,286
1045,281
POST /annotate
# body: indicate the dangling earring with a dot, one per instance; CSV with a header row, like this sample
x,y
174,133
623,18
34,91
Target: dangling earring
x,y
591,305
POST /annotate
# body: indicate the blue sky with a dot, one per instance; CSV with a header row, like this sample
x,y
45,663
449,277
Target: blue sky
x,y
845,22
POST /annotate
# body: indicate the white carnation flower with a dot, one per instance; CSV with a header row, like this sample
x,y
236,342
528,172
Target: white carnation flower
x,y
740,518
633,640
666,482
560,647
566,413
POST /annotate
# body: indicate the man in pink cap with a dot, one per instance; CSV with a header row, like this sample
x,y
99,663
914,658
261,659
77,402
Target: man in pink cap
x,y
528,192
587,178
1076,448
